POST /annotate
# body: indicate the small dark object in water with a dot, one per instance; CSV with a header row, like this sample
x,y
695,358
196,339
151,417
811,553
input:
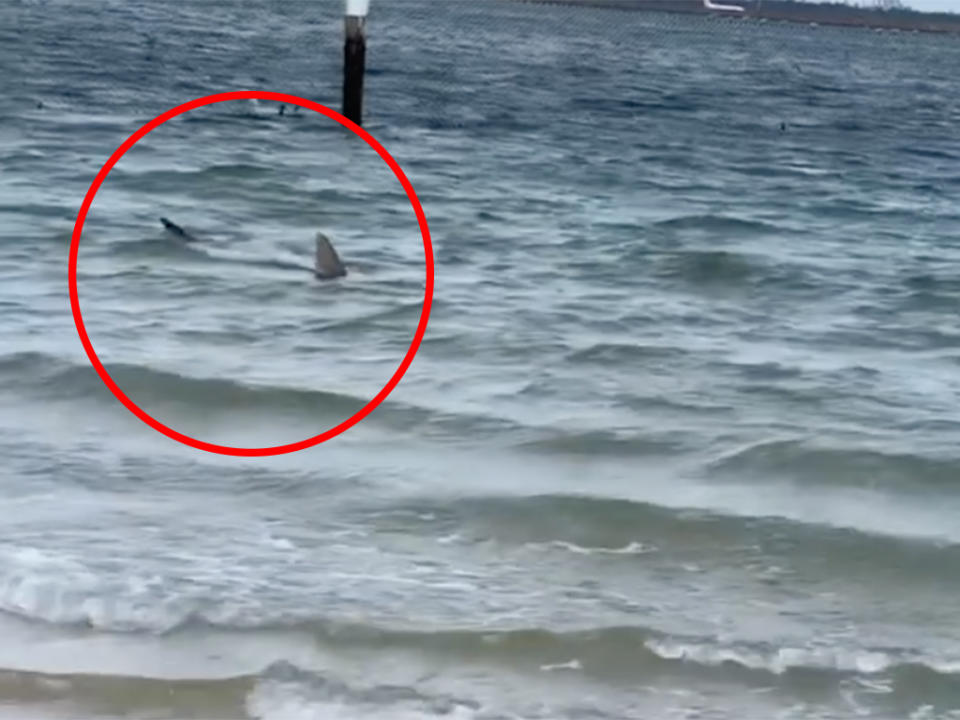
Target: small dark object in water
x,y
177,230
326,263
783,127
282,109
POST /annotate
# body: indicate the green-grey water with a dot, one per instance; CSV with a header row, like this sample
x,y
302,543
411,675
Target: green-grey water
x,y
680,440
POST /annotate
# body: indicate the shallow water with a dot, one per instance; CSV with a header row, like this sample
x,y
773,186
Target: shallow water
x,y
681,438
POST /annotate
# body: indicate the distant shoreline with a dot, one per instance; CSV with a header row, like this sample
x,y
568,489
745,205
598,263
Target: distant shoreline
x,y
836,14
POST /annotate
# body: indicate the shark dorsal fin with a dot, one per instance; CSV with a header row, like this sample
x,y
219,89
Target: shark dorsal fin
x,y
327,264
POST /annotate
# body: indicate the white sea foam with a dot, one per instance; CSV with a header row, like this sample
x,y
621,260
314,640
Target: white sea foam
x,y
778,661
633,548
39,585
573,664
272,700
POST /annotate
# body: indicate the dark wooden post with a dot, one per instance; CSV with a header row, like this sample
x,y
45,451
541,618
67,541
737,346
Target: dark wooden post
x,y
354,57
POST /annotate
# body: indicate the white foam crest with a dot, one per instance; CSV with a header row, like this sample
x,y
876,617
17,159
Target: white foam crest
x,y
945,667
39,585
777,662
633,548
573,664
271,700
67,602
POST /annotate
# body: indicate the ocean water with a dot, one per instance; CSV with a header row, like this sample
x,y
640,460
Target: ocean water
x,y
681,440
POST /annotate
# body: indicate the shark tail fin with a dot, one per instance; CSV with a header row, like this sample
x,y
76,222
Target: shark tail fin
x,y
326,262
176,229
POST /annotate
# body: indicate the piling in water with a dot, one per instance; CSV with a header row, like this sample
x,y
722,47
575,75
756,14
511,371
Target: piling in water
x,y
354,56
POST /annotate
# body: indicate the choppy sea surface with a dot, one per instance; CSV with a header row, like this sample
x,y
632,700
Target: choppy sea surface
x,y
681,440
